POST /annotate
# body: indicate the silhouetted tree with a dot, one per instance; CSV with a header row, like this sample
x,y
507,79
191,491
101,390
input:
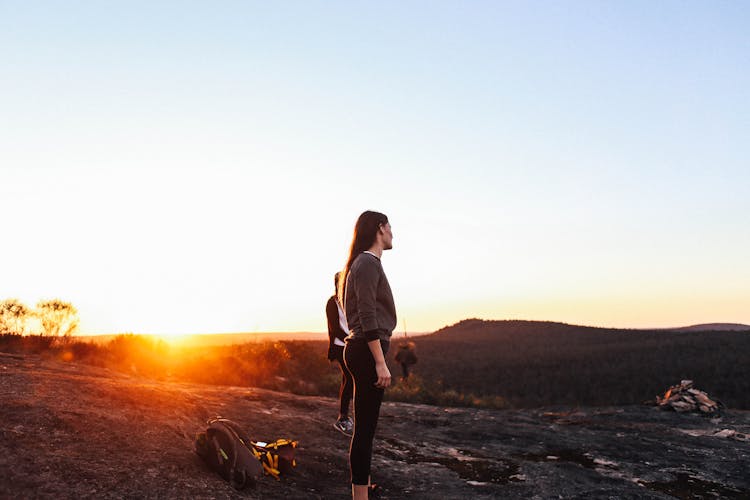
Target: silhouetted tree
x,y
13,315
58,318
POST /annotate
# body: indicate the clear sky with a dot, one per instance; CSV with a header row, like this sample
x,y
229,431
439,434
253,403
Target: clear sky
x,y
174,167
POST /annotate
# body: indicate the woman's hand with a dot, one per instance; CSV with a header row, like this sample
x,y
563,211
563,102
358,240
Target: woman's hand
x,y
384,375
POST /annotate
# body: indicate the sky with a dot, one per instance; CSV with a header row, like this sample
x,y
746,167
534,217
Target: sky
x,y
198,167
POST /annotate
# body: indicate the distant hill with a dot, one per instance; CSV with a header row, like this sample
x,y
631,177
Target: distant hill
x,y
713,327
479,329
534,363
218,339
497,364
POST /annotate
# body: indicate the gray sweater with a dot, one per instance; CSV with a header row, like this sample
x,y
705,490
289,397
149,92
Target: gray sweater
x,y
368,301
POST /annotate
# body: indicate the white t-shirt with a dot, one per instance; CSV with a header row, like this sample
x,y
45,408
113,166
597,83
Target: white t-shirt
x,y
342,324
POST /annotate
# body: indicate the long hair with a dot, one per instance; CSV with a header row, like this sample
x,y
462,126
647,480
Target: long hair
x,y
365,231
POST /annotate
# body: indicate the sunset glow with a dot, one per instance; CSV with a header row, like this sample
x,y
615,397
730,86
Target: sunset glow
x,y
585,164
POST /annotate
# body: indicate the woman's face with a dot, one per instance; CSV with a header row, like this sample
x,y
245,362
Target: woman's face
x,y
386,236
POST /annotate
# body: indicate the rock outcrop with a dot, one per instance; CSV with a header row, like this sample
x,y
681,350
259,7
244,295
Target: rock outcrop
x,y
70,431
683,397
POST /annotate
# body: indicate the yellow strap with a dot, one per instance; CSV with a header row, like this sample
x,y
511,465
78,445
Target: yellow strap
x,y
271,471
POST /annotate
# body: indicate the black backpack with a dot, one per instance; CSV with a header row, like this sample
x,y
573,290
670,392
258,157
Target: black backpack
x,y
227,449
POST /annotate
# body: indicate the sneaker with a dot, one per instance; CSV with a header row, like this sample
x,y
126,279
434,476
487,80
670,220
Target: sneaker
x,y
344,426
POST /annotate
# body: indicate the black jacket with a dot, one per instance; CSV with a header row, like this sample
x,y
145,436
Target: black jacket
x,y
334,327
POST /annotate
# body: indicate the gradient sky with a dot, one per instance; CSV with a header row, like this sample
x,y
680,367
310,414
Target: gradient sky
x,y
174,167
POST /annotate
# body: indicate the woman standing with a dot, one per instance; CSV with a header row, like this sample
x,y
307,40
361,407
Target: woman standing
x,y
371,316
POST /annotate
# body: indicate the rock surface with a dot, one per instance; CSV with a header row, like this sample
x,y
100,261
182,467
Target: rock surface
x,y
75,431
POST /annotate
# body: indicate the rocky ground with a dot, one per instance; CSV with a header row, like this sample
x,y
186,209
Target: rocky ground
x,y
75,431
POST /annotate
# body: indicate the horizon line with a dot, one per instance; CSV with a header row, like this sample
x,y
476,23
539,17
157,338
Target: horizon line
x,y
416,333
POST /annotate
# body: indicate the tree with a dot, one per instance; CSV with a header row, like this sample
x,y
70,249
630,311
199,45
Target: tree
x,y
13,316
58,318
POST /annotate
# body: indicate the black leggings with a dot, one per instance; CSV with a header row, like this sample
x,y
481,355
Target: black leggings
x,y
367,399
347,383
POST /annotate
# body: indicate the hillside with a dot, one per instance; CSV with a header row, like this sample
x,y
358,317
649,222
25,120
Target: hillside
x,y
78,431
216,339
489,364
480,329
714,327
530,363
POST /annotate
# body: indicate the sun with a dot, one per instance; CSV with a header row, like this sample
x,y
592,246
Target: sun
x,y
172,338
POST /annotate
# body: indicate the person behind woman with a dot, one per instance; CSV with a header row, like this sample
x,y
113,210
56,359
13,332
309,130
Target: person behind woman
x,y
406,356
337,332
371,316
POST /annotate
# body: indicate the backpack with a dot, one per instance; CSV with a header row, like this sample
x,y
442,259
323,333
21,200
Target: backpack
x,y
406,354
228,450
276,457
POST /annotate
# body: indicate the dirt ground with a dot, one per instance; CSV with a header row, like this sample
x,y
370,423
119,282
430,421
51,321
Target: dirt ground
x,y
76,431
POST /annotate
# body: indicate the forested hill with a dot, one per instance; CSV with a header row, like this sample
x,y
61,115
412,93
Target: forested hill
x,y
714,327
496,364
495,330
530,363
